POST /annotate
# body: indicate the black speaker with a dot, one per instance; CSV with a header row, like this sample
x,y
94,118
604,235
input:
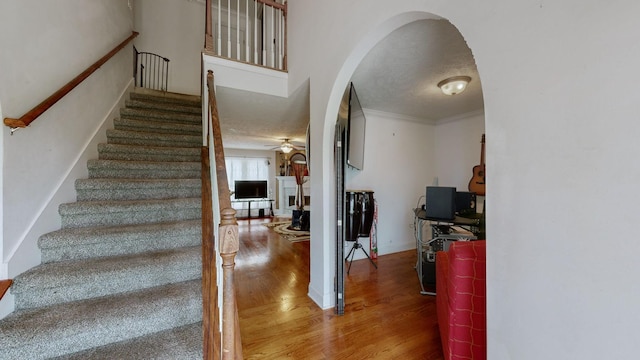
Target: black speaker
x,y
429,273
465,203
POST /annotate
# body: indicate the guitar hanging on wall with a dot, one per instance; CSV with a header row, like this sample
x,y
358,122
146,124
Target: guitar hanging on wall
x,y
476,184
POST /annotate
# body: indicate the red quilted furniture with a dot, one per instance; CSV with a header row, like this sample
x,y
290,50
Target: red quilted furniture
x,y
461,300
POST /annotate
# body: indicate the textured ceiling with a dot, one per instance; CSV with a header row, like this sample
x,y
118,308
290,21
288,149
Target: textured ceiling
x,y
256,121
399,75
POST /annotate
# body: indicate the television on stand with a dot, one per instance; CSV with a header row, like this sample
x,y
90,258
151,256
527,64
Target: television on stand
x,y
250,189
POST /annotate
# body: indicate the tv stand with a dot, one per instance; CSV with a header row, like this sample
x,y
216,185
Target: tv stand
x,y
249,201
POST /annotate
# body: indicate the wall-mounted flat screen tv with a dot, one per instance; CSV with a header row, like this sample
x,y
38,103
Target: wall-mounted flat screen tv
x,y
250,189
440,203
355,131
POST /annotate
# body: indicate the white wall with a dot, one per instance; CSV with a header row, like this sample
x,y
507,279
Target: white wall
x,y
173,29
558,288
399,162
42,49
402,157
457,142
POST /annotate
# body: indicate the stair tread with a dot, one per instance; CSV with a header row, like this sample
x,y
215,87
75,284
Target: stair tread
x,y
111,206
157,126
163,107
60,329
165,96
120,183
96,234
149,149
129,113
183,343
144,164
118,268
151,134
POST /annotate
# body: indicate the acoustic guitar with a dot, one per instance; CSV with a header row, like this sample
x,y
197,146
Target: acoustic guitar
x,y
476,184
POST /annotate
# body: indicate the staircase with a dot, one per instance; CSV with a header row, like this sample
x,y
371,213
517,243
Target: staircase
x,y
121,279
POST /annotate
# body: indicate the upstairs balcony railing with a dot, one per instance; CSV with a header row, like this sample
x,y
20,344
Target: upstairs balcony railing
x,y
250,31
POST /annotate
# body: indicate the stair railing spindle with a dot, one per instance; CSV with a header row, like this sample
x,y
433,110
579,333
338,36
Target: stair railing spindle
x,y
246,32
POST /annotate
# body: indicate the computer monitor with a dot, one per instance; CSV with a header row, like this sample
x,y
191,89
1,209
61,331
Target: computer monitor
x,y
440,203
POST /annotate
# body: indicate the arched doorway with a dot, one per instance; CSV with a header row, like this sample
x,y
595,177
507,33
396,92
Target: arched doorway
x,y
404,156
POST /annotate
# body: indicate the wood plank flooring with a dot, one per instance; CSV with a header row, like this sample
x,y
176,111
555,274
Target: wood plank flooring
x,y
385,315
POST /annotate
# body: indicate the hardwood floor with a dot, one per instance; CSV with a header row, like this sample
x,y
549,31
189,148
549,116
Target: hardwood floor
x,y
385,315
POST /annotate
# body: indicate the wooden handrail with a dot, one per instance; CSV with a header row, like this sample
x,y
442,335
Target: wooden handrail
x,y
231,345
33,114
210,313
4,286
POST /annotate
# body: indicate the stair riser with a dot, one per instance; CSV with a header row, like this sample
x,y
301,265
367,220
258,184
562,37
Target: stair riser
x,y
151,151
164,268
191,100
106,155
154,142
143,174
162,107
178,343
139,114
157,127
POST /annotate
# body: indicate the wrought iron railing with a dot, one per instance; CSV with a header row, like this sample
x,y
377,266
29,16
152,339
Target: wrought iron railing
x,y
151,70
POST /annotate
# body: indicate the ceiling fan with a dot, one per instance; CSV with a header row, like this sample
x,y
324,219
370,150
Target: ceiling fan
x,y
286,146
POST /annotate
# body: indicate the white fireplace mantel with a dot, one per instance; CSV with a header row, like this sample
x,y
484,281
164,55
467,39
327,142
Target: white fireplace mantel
x,y
287,193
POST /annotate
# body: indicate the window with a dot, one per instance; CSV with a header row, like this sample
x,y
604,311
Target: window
x,y
241,168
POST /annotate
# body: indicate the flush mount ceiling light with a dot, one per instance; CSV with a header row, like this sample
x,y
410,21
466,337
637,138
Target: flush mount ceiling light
x,y
286,146
454,85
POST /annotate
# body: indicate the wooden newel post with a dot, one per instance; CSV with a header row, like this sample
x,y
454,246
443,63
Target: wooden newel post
x,y
229,244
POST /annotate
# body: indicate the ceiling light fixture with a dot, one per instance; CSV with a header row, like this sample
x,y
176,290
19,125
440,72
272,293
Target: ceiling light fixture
x,y
286,146
454,85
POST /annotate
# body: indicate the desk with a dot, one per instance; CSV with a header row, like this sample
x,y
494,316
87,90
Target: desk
x,y
249,201
442,234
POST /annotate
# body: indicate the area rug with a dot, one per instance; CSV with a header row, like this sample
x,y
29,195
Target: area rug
x,y
282,228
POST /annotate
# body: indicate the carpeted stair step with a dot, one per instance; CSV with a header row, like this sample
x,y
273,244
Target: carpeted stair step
x,y
157,126
145,114
136,189
111,213
46,332
91,242
163,107
147,153
153,139
65,281
166,97
184,343
143,169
